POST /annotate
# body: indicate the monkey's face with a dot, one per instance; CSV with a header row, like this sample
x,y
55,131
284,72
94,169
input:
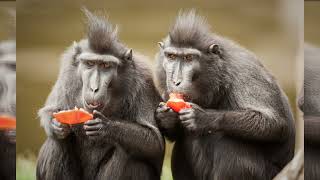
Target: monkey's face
x,y
97,74
182,67
8,87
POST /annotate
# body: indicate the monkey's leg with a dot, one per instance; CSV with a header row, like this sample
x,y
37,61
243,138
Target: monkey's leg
x,y
233,160
139,170
181,170
120,167
311,162
57,161
112,168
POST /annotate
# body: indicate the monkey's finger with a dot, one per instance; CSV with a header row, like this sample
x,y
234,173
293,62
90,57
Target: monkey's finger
x,y
55,122
186,117
188,122
59,130
162,109
56,128
185,123
93,128
97,114
59,124
93,133
93,122
161,104
185,111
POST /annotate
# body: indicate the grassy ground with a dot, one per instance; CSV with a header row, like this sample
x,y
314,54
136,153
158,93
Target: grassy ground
x,y
26,168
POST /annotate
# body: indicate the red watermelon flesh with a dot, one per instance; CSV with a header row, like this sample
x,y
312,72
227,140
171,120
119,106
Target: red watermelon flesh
x,y
176,102
7,122
74,116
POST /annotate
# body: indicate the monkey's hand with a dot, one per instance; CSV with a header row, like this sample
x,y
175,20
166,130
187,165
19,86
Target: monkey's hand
x,y
97,126
60,130
166,117
8,135
196,120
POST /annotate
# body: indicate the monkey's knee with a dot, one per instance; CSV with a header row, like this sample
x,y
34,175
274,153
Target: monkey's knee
x,y
55,162
7,161
137,170
243,168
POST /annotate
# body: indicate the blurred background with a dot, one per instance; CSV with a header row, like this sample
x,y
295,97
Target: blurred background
x,y
6,19
311,22
269,28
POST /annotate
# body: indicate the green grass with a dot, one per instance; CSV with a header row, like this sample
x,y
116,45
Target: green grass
x,y
26,168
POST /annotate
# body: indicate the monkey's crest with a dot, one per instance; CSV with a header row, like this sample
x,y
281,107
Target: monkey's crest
x,y
189,29
101,34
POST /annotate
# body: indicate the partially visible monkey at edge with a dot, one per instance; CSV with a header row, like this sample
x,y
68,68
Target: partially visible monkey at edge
x,y
240,126
309,103
106,78
8,107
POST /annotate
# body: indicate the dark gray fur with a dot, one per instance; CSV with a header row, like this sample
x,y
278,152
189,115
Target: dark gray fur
x,y
309,103
128,144
240,125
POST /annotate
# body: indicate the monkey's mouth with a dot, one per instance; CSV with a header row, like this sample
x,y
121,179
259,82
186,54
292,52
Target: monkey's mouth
x,y
94,105
186,96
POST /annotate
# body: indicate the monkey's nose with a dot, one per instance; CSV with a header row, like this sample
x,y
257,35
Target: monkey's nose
x,y
94,90
177,83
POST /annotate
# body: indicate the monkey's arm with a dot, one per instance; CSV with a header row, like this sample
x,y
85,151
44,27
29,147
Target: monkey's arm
x,y
248,124
141,140
45,113
253,125
312,129
137,139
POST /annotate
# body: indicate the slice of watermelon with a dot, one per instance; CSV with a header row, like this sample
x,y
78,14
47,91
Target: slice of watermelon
x,y
176,102
7,122
74,116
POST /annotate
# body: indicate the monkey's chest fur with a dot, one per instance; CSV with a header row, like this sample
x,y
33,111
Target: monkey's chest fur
x,y
92,153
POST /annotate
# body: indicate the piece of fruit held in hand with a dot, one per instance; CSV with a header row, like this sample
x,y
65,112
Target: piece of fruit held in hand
x,y
73,116
7,122
176,102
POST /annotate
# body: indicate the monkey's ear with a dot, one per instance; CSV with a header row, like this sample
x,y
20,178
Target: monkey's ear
x,y
76,47
161,45
215,49
77,51
128,55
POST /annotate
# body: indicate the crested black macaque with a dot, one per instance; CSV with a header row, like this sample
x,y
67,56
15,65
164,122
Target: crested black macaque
x,y
8,108
106,78
309,103
240,126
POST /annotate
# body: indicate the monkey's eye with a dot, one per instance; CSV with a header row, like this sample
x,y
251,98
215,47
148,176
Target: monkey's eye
x,y
188,57
171,56
105,65
12,66
90,63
